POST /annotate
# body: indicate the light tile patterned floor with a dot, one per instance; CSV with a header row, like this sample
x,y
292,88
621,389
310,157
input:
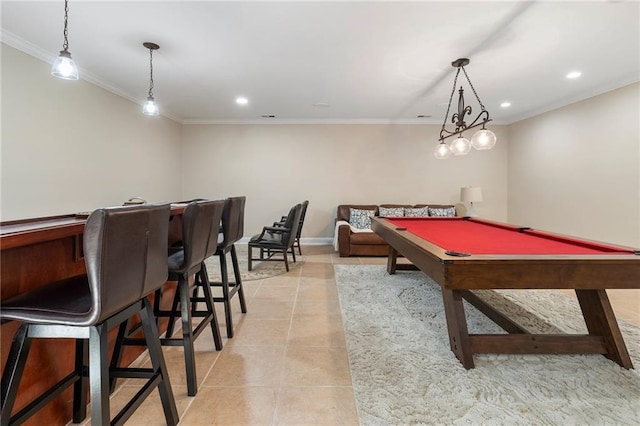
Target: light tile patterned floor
x,y
287,364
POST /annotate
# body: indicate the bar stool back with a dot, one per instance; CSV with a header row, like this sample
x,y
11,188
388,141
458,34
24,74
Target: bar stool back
x,y
232,232
125,256
200,227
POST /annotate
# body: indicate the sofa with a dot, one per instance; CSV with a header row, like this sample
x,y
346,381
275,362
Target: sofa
x,y
351,241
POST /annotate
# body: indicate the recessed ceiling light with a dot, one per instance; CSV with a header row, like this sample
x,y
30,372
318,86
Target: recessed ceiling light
x,y
505,104
242,100
574,74
321,105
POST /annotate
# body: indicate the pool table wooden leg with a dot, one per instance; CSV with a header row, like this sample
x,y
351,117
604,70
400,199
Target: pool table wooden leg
x,y
392,261
457,327
601,321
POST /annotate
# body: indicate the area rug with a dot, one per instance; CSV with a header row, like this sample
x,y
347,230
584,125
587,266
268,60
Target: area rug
x,y
404,372
259,270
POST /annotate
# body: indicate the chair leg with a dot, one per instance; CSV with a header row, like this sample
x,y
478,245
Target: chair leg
x,y
236,273
80,387
187,337
99,375
299,248
208,300
13,371
157,361
286,259
293,253
249,257
228,317
118,348
174,309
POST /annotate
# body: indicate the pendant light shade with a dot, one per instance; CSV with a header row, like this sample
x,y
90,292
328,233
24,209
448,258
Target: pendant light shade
x,y
64,67
460,146
150,107
442,152
483,139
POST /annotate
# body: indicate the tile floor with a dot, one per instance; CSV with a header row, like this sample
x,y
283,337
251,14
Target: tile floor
x,y
287,364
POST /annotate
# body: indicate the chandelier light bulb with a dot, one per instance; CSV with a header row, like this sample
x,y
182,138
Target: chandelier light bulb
x,y
460,146
483,139
64,67
150,107
442,152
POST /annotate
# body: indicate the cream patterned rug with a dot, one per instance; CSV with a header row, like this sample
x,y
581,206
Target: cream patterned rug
x,y
404,372
259,270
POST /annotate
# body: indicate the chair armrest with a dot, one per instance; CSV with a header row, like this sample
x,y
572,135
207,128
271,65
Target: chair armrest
x,y
279,229
344,240
278,223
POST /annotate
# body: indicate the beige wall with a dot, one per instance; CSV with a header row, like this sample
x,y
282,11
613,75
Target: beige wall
x,y
276,166
576,170
71,146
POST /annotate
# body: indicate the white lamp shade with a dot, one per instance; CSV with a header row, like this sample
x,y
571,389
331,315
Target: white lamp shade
x,y
470,194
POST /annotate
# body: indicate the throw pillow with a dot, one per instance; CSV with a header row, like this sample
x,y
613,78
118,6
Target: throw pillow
x,y
442,211
416,211
391,211
361,219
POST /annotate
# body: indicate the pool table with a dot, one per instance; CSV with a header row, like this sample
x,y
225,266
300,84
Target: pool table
x,y
465,254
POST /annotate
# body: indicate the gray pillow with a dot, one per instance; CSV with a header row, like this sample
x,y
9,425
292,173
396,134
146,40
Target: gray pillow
x,y
442,211
416,211
361,219
391,212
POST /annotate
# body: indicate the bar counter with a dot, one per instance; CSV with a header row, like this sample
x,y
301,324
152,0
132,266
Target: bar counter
x,y
34,253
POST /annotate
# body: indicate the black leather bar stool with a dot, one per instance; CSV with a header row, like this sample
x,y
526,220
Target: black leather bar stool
x,y
200,227
125,256
232,231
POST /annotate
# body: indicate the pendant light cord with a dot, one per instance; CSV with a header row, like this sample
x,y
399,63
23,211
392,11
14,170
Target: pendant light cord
x,y
65,45
151,73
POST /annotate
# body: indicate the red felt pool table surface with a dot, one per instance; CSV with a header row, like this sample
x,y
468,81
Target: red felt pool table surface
x,y
476,236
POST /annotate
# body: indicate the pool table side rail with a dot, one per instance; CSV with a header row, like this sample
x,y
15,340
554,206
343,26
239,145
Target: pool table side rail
x,y
599,271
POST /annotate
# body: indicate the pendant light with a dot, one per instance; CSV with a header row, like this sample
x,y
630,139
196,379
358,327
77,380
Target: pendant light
x,y
64,67
150,106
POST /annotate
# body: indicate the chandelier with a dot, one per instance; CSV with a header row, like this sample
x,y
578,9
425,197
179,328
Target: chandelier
x,y
482,139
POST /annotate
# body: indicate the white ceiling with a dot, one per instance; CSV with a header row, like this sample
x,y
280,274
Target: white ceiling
x,y
369,61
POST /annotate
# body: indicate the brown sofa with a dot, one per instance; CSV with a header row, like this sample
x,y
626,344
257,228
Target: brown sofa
x,y
366,243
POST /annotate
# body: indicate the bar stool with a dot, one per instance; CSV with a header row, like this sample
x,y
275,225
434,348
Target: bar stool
x,y
125,256
200,227
232,231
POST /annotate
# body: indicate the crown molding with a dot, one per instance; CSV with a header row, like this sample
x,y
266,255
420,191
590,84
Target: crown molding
x,y
601,90
311,121
37,52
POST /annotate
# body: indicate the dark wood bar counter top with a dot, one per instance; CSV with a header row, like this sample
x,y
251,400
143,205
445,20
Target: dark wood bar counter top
x,y
34,253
